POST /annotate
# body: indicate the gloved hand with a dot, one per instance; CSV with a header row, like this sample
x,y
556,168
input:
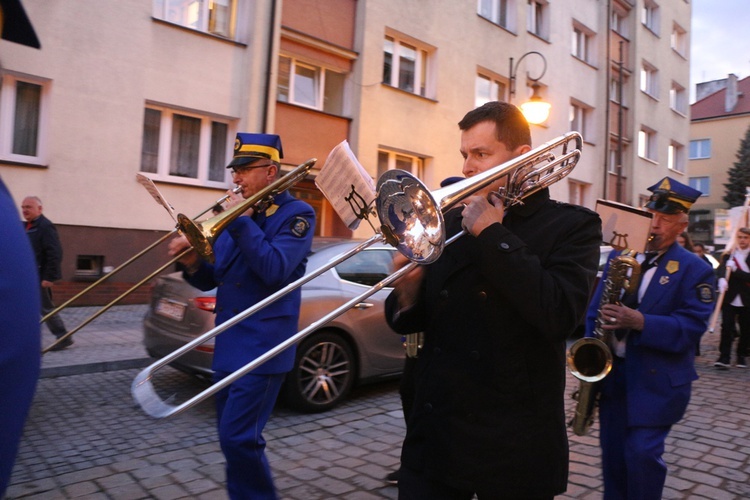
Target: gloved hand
x,y
723,285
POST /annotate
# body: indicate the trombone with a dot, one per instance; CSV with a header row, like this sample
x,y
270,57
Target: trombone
x,y
412,221
198,238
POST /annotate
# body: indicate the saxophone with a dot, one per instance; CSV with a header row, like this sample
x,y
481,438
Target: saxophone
x,y
590,358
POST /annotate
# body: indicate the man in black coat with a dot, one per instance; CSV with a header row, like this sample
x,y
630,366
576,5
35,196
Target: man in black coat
x,y
496,308
42,234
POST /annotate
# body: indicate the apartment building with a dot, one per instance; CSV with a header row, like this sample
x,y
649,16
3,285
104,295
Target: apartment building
x,y
719,120
160,87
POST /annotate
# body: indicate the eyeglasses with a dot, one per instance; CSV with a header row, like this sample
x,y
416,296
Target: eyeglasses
x,y
245,168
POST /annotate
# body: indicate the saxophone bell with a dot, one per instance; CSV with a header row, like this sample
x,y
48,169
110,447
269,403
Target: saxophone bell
x,y
590,358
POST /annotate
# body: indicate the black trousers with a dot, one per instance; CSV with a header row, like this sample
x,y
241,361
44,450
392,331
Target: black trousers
x,y
730,317
55,323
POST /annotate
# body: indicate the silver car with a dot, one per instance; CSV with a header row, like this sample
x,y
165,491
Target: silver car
x,y
356,347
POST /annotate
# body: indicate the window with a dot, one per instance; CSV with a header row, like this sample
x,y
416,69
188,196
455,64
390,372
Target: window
x,y
577,192
210,16
388,160
619,22
536,18
580,116
614,89
647,144
497,11
89,266
649,80
678,98
679,40
700,149
406,66
488,89
185,146
702,184
582,43
650,16
368,267
676,157
310,86
23,111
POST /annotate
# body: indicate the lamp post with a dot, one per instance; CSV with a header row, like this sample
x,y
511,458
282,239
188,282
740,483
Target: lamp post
x,y
536,110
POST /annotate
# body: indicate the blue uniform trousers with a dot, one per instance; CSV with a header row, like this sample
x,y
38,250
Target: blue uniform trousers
x,y
242,410
632,462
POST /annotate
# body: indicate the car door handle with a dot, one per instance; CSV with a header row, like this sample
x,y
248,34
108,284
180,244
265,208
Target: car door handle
x,y
364,305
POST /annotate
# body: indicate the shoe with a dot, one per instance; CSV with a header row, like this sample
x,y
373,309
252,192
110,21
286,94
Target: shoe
x,y
721,365
392,478
741,363
63,345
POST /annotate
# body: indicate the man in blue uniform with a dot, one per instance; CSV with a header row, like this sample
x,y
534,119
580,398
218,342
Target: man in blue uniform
x,y
258,254
20,357
655,334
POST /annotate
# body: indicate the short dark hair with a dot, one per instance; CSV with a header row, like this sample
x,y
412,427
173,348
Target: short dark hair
x,y
511,126
744,230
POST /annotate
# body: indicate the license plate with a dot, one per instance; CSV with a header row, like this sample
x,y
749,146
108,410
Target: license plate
x,y
170,309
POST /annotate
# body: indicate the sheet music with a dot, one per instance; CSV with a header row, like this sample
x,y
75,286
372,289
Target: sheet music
x,y
153,191
347,185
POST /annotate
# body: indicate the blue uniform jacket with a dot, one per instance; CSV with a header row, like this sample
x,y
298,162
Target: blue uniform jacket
x,y
255,257
660,359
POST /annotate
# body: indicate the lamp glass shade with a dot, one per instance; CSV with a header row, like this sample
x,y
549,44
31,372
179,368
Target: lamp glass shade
x,y
536,111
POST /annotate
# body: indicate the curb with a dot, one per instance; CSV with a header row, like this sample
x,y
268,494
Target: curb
x,y
104,366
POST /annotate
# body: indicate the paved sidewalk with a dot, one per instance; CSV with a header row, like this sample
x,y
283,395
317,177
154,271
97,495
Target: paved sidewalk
x,y
85,438
113,341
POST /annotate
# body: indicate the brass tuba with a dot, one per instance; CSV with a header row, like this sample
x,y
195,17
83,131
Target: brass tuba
x,y
590,358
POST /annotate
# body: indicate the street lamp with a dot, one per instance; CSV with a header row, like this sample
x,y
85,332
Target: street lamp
x,y
536,110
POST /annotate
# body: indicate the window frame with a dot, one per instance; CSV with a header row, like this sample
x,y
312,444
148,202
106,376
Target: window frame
x,y
678,40
651,16
583,46
323,76
501,12
537,18
699,145
497,85
161,10
8,99
649,80
676,160
678,98
648,144
423,64
417,163
697,182
166,137
580,113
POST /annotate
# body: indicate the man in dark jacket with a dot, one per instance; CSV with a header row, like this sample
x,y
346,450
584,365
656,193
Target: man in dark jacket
x,y
496,308
48,252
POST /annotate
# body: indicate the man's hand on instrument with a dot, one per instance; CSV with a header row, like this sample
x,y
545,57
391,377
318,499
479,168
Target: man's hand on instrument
x,y
190,260
723,285
478,213
617,316
407,286
235,199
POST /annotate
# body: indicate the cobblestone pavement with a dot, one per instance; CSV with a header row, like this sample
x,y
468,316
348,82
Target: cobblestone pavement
x,y
85,438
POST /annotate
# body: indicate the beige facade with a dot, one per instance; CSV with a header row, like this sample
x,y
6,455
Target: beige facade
x,y
111,74
719,121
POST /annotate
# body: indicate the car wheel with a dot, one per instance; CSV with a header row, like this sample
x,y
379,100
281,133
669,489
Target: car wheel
x,y
323,373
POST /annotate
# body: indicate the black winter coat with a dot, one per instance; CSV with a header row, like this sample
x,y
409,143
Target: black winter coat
x,y
496,311
47,248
